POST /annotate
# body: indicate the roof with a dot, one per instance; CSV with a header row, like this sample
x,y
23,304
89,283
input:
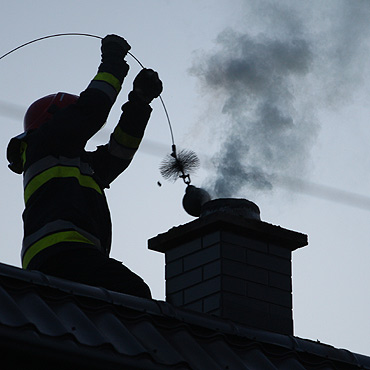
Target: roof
x,y
62,322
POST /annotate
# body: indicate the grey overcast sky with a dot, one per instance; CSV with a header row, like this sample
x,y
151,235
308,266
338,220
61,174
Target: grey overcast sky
x,y
272,95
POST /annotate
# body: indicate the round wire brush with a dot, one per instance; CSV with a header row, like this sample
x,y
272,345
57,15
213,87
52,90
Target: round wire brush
x,y
179,165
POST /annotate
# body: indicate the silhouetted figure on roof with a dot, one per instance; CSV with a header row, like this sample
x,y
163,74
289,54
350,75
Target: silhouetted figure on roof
x,y
67,225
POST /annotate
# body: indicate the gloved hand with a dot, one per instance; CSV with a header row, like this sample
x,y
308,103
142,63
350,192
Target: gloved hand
x,y
113,51
146,87
113,46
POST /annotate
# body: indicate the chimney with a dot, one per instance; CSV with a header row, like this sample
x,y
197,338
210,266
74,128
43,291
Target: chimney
x,y
231,264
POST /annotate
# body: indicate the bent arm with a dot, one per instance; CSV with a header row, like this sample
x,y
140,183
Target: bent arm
x,y
112,159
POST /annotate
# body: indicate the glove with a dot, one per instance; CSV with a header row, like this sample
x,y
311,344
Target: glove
x,y
146,87
113,46
113,51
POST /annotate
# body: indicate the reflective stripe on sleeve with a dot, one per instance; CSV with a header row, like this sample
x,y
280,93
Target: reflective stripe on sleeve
x,y
120,151
110,79
107,89
123,145
125,139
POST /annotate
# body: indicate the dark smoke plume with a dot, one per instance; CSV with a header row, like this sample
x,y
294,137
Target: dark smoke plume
x,y
270,86
256,77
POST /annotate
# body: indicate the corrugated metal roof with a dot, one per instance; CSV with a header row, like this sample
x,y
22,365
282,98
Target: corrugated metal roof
x,y
96,325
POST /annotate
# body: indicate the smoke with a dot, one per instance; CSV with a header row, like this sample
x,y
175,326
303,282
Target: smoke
x,y
270,84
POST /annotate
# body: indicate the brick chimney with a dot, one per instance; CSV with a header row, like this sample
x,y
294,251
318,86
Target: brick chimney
x,y
231,264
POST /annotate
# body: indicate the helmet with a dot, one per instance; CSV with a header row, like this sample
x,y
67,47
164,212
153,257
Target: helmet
x,y
42,109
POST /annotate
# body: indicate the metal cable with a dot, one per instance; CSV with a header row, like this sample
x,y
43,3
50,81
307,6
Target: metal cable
x,y
97,37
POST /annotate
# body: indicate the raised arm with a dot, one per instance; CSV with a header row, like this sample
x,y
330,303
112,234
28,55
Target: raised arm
x,y
111,159
74,125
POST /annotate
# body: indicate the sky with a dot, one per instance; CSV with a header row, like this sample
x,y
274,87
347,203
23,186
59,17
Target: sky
x,y
271,95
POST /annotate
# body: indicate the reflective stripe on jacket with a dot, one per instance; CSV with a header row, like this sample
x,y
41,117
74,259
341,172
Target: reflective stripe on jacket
x,y
54,233
49,168
37,176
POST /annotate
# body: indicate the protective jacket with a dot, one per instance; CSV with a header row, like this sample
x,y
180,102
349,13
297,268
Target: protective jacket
x,y
65,204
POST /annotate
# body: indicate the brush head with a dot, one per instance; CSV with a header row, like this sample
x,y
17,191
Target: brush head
x,y
179,165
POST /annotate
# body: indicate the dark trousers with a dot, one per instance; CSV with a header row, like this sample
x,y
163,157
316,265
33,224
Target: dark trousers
x,y
91,267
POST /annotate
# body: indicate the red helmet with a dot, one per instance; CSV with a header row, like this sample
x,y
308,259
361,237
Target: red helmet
x,y
42,109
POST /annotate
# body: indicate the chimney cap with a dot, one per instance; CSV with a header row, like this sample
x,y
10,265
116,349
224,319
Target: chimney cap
x,y
232,206
218,220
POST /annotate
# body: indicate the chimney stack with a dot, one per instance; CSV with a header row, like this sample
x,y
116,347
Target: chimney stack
x,y
231,264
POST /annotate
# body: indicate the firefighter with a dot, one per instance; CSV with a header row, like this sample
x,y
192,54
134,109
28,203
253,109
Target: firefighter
x,y
67,224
